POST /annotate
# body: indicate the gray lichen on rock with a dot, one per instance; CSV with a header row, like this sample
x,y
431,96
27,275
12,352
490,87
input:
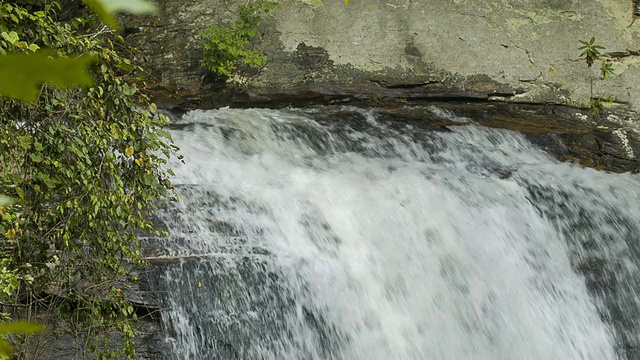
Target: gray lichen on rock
x,y
527,49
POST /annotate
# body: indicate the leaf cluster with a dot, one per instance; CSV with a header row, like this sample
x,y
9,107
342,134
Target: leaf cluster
x,y
85,169
591,53
606,70
597,104
590,50
17,327
23,67
225,45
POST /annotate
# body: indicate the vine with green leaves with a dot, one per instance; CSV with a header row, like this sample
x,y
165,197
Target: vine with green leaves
x,y
227,45
84,169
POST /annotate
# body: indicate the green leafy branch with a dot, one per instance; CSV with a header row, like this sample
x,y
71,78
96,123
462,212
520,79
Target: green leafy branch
x,y
71,194
24,73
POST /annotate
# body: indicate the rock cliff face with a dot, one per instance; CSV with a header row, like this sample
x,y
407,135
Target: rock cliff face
x,y
508,50
394,52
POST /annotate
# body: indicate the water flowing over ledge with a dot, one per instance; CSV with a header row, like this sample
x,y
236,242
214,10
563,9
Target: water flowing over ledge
x,y
338,233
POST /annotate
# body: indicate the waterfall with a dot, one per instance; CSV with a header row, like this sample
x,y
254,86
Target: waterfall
x,y
336,233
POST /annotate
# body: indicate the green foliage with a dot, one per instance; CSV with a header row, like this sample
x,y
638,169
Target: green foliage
x,y
20,327
5,200
23,73
606,70
17,327
85,168
9,280
106,8
590,51
597,104
224,45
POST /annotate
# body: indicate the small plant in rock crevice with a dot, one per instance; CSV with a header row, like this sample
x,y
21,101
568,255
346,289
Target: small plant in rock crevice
x,y
606,70
591,53
596,104
226,45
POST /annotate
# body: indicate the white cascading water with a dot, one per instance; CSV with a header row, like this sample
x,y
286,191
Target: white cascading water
x,y
328,233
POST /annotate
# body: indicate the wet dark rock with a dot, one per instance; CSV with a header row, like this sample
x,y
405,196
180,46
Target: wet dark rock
x,y
248,307
607,275
311,58
310,71
62,342
567,133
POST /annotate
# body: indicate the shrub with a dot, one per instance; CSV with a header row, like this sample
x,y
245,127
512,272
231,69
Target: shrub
x,y
225,45
85,168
